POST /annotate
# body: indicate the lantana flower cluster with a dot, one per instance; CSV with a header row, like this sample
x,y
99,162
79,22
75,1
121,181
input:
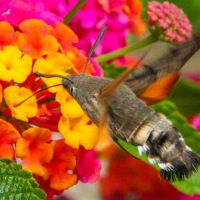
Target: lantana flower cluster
x,y
36,46
122,17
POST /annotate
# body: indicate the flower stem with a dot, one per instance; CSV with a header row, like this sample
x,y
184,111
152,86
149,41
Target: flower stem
x,y
120,52
73,11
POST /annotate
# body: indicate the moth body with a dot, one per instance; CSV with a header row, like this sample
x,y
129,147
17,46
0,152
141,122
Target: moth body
x,y
129,118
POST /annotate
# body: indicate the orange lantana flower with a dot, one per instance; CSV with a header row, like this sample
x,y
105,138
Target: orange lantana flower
x,y
60,170
8,136
35,149
7,34
35,38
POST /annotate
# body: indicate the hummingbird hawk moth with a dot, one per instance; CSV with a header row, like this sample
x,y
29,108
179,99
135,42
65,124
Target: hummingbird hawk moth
x,y
117,104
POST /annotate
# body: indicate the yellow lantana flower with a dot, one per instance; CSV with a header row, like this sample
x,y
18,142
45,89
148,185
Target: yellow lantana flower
x,y
13,96
54,63
80,131
13,65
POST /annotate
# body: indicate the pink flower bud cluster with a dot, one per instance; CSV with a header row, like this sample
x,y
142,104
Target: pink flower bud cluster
x,y
169,22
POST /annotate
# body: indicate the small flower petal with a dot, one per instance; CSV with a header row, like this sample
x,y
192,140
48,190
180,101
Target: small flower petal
x,y
79,59
8,136
14,95
7,34
35,149
65,37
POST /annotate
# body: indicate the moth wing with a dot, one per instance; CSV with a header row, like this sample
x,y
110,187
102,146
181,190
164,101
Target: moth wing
x,y
159,90
105,95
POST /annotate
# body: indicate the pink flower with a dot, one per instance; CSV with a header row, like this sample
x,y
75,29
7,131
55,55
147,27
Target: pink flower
x,y
98,71
47,10
96,13
195,77
87,166
169,22
196,122
187,197
4,4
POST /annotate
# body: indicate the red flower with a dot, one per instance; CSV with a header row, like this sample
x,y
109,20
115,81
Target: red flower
x,y
60,169
35,149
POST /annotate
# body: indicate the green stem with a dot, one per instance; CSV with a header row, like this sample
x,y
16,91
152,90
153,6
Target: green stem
x,y
73,11
120,52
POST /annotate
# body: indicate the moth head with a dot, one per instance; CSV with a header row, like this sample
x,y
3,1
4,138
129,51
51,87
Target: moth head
x,y
85,89
81,85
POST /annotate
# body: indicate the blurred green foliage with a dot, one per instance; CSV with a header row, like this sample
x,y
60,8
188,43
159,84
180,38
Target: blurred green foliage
x,y
186,96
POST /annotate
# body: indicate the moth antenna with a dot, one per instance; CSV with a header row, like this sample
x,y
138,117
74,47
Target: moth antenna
x,y
36,93
51,76
98,40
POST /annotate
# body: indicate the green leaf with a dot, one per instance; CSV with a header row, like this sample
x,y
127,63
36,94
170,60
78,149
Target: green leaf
x,y
191,185
111,71
191,136
186,95
18,184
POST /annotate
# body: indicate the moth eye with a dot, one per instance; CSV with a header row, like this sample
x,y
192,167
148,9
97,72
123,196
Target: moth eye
x,y
71,90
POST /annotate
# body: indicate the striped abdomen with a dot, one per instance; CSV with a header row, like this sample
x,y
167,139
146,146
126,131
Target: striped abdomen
x,y
152,133
165,145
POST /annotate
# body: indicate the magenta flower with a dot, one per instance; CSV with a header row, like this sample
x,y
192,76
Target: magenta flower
x,y
196,122
195,77
96,13
87,166
47,10
98,71
169,22
4,5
